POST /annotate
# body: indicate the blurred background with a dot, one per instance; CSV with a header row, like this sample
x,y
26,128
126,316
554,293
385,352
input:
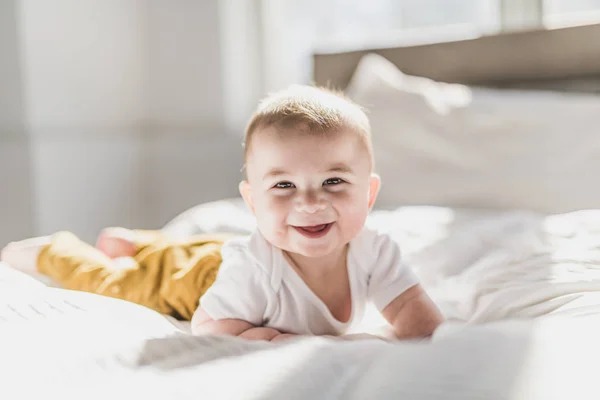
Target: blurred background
x,y
128,112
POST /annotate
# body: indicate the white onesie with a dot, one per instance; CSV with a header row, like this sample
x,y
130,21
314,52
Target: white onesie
x,y
255,283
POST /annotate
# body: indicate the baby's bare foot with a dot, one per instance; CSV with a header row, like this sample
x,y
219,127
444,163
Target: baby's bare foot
x,y
116,242
23,255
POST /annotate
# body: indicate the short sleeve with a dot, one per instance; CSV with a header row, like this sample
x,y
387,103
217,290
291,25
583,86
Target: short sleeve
x,y
241,290
389,276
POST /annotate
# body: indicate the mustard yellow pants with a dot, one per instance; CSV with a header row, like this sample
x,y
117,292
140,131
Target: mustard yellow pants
x,y
166,275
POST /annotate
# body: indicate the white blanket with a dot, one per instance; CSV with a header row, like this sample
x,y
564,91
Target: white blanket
x,y
68,345
490,266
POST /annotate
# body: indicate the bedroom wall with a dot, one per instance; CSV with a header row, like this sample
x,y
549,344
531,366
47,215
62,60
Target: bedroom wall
x,y
84,81
126,106
16,217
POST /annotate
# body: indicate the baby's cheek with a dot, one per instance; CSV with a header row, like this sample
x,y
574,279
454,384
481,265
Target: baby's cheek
x,y
351,202
277,208
353,209
272,216
355,222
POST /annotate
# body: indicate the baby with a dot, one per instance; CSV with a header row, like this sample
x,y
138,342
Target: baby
x,y
310,268
312,265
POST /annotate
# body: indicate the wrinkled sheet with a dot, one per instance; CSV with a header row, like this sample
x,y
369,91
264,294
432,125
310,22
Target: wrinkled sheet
x,y
61,344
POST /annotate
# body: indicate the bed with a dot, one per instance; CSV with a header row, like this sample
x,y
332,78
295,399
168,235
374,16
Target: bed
x,y
493,155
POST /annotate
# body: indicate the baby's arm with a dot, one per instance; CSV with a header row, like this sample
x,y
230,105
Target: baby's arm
x,y
395,290
413,314
203,324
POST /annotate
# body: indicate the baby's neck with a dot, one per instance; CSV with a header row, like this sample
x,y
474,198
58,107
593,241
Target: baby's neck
x,y
321,266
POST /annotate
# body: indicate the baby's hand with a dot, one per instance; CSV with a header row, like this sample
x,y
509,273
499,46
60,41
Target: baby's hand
x,y
363,336
23,255
283,336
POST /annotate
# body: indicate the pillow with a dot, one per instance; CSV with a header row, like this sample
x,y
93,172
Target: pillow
x,y
452,145
228,215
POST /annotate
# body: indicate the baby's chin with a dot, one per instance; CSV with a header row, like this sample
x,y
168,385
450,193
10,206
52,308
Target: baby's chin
x,y
292,242
311,252
316,249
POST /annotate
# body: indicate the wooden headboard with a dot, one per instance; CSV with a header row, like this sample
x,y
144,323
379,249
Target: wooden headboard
x,y
557,59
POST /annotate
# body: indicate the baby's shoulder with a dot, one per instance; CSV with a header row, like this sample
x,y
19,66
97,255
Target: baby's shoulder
x,y
371,247
370,242
250,254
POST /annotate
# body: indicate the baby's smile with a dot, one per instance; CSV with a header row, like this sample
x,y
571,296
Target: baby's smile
x,y
315,231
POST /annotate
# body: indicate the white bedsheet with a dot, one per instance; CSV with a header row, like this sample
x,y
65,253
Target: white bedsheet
x,y
93,347
505,265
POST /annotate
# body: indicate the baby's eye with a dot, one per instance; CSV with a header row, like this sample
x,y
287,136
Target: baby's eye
x,y
333,181
284,185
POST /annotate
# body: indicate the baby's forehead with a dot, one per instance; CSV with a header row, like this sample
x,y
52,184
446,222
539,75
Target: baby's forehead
x,y
272,148
301,137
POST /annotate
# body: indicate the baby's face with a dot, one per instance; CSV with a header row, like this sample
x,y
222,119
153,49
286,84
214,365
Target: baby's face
x,y
311,194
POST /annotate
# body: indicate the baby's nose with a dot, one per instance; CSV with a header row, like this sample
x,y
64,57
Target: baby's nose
x,y
311,205
313,208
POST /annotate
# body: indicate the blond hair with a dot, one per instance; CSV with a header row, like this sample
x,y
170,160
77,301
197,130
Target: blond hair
x,y
311,110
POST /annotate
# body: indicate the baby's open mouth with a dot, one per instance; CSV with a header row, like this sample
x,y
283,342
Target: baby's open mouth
x,y
314,231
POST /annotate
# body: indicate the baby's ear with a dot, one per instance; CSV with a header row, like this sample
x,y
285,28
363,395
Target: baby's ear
x,y
246,192
374,186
